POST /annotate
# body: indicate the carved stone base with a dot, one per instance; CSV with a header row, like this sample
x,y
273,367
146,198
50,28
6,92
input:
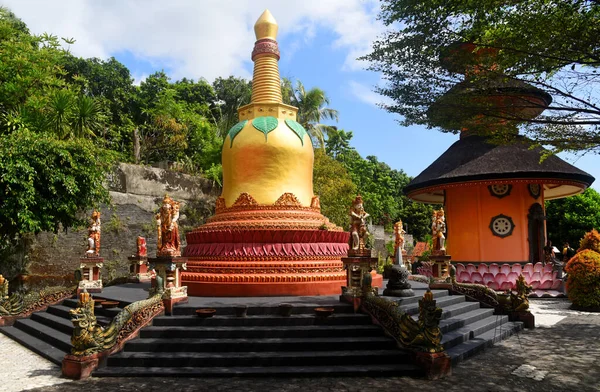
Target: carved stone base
x,y
138,269
92,286
170,302
441,265
77,368
527,318
398,293
435,365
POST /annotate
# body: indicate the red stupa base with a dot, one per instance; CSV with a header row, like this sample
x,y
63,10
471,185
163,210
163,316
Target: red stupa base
x,y
252,250
267,262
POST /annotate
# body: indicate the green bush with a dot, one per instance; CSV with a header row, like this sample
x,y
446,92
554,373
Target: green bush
x,y
583,283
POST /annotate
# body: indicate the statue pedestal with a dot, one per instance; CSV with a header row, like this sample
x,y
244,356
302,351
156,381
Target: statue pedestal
x,y
138,269
441,265
359,278
169,269
90,274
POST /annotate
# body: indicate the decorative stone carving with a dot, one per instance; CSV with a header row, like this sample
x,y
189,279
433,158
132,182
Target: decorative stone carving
x,y
220,205
265,45
94,235
438,229
423,335
358,227
315,203
245,200
168,243
520,301
89,338
288,199
142,248
138,263
398,285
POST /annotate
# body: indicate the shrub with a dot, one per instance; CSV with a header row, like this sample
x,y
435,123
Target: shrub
x,y
591,240
583,283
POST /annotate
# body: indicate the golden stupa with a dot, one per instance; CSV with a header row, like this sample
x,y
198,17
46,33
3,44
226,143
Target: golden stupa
x,y
268,236
267,153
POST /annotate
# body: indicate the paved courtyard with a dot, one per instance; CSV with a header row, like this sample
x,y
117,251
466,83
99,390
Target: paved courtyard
x,y
562,354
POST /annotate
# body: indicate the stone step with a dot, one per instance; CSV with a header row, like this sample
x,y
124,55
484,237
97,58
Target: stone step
x,y
264,310
463,319
294,320
53,321
437,294
446,301
480,343
303,331
232,345
62,311
463,334
396,370
38,346
242,359
459,308
53,337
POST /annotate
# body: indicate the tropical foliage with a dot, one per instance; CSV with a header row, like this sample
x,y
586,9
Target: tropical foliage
x,y
549,44
583,282
570,218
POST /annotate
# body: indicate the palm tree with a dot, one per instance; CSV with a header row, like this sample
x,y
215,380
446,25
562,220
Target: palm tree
x,y
312,109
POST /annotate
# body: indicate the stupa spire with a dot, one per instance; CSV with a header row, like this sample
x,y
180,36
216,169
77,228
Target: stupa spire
x,y
266,83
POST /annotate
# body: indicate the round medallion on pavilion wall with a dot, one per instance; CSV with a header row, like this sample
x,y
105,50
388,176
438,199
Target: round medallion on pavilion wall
x,y
500,190
534,190
502,225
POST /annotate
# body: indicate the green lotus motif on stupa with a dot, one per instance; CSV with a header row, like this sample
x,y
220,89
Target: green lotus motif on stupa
x,y
267,124
297,128
233,132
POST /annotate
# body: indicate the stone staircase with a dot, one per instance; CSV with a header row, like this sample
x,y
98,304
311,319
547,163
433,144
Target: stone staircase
x,y
265,343
49,333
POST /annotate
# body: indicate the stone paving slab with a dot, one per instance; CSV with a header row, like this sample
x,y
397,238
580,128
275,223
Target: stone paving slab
x,y
562,355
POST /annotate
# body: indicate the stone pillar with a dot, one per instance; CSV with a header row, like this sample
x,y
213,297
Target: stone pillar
x,y
441,265
169,269
138,269
91,279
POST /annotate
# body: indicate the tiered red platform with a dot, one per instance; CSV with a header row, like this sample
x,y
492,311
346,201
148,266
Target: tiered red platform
x,y
255,250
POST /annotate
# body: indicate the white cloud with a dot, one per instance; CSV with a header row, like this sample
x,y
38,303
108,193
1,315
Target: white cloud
x,y
366,94
206,38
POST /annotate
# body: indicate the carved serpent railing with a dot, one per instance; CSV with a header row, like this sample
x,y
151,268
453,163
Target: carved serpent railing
x,y
89,338
423,335
19,305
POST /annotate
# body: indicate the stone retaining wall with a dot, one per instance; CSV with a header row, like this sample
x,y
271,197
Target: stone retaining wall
x,y
136,193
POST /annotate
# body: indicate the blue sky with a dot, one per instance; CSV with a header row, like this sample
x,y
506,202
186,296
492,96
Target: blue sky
x,y
319,42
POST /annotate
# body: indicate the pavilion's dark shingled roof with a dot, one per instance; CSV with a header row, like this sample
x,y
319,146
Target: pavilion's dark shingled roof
x,y
472,158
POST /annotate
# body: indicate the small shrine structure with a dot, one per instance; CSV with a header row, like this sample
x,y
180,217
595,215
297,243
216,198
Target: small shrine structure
x,y
493,194
91,263
268,236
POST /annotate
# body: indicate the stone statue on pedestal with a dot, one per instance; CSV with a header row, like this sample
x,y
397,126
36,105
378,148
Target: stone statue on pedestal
x,y
94,235
358,225
398,242
438,228
168,243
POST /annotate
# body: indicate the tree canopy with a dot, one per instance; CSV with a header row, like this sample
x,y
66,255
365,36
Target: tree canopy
x,y
570,218
551,45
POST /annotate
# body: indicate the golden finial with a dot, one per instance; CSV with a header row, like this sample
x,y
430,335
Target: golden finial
x,y
428,296
266,26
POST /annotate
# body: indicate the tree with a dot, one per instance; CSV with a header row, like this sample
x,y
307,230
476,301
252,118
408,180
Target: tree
x,y
570,218
46,182
549,44
335,188
312,109
110,84
231,94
